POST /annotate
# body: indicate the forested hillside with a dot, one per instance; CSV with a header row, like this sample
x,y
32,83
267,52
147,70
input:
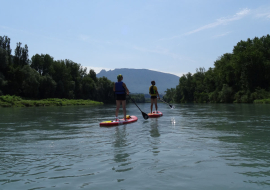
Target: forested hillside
x,y
139,80
241,76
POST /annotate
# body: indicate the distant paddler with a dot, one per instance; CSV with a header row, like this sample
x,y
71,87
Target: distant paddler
x,y
121,91
153,91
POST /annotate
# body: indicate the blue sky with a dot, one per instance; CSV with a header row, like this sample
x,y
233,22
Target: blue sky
x,y
172,36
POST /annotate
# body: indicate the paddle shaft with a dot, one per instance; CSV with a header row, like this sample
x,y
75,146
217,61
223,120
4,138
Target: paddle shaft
x,y
135,104
145,116
166,103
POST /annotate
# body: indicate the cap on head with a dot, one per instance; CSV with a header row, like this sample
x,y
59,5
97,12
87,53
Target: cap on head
x,y
119,77
153,82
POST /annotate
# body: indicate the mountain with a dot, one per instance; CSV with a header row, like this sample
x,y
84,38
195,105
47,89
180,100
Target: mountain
x,y
139,80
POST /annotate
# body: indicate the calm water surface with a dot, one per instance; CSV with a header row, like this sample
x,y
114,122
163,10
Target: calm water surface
x,y
194,146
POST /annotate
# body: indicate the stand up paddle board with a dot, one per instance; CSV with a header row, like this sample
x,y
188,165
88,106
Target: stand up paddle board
x,y
155,114
130,119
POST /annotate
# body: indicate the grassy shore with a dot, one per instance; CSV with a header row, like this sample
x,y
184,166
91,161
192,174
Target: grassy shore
x,y
262,101
16,101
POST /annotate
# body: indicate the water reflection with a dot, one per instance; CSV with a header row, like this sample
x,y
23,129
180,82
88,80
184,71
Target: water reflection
x,y
120,152
154,128
154,132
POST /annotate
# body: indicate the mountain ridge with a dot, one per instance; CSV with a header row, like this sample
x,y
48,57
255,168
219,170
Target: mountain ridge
x,y
139,80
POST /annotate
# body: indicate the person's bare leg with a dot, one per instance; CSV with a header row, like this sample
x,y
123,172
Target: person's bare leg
x,y
117,108
124,108
156,104
152,101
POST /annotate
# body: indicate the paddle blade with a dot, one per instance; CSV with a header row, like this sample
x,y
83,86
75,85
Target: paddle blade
x,y
145,116
172,107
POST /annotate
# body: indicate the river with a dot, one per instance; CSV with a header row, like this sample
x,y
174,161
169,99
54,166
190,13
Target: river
x,y
194,146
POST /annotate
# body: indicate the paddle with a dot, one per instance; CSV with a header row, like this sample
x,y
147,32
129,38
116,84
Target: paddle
x,y
145,116
167,103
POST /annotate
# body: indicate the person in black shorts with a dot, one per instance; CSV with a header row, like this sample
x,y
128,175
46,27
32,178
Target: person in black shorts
x,y
154,93
121,91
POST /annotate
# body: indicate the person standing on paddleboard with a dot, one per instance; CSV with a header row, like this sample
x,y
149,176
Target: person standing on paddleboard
x,y
120,90
154,93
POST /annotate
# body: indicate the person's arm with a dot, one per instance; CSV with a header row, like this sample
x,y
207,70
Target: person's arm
x,y
127,91
114,87
158,94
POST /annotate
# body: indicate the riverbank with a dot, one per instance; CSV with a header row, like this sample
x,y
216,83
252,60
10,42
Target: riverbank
x,y
262,101
16,101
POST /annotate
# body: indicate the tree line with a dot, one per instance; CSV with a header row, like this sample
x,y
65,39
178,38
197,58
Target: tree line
x,y
43,77
241,77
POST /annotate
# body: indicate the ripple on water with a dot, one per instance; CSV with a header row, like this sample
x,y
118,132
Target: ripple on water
x,y
192,146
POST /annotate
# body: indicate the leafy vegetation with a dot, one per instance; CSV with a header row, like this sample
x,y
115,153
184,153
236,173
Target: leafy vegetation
x,y
42,77
16,101
241,77
139,98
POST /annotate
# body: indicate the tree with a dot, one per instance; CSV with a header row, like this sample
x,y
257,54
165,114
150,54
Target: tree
x,y
170,95
21,55
30,83
104,90
47,87
37,63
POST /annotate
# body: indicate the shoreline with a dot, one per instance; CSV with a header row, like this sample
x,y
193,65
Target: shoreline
x,y
16,101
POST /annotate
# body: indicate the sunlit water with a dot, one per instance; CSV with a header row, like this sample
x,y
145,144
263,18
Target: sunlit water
x,y
194,146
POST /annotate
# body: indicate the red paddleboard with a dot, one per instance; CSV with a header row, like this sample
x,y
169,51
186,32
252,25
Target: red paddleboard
x,y
155,114
130,119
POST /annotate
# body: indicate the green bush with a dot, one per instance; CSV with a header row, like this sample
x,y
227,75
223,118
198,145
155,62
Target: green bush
x,y
225,94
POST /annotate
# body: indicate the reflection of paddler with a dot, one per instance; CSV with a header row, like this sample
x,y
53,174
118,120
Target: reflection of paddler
x,y
120,141
153,91
154,131
120,90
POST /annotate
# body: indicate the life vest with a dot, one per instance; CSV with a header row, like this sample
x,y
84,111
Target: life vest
x,y
119,89
152,90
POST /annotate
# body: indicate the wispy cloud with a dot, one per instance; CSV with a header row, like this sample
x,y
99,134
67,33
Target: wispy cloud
x,y
221,35
221,21
265,15
262,12
163,51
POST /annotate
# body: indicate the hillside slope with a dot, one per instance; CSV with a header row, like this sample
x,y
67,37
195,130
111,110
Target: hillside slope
x,y
139,80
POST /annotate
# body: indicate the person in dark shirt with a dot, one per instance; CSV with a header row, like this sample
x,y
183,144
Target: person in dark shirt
x,y
121,91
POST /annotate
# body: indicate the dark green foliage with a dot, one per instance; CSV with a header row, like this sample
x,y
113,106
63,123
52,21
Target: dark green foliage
x,y
44,77
47,87
139,98
16,101
104,90
5,57
241,76
42,64
21,55
170,95
31,82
